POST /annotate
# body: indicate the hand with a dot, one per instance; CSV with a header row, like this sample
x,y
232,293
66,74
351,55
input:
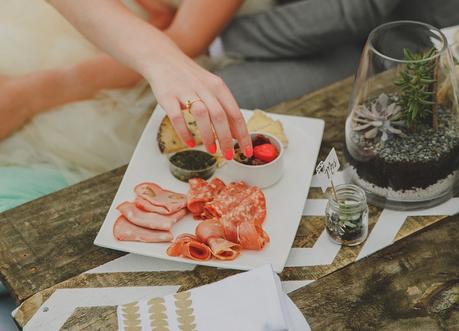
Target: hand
x,y
178,79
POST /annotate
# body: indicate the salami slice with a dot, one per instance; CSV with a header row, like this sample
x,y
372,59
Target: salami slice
x,y
201,192
154,196
127,231
149,220
243,224
226,200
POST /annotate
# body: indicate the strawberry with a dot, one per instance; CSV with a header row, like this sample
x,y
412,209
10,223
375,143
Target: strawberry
x,y
265,152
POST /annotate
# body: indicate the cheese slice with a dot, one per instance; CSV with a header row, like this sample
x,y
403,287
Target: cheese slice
x,y
261,122
258,120
169,141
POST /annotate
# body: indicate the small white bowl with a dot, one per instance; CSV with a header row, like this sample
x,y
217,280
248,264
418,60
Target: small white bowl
x,y
263,175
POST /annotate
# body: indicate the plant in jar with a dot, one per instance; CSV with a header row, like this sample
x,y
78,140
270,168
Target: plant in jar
x,y
402,141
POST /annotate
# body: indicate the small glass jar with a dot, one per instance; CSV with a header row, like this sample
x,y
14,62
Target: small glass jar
x,y
346,220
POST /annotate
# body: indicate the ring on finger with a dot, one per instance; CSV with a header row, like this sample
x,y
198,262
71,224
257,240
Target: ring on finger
x,y
189,103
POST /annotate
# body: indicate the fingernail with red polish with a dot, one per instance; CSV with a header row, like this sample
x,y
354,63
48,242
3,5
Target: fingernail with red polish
x,y
248,151
191,143
229,154
212,149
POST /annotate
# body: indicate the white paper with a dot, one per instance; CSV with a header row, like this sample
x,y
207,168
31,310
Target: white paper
x,y
252,301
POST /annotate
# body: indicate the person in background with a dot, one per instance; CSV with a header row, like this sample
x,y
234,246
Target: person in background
x,y
162,58
159,49
302,45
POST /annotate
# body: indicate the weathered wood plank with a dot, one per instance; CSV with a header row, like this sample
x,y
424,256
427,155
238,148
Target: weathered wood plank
x,y
413,284
51,239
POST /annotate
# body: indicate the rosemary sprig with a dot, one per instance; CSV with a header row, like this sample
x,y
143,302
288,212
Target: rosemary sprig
x,y
416,82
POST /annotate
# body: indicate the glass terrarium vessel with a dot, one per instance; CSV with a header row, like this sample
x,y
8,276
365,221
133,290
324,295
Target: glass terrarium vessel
x,y
402,131
346,215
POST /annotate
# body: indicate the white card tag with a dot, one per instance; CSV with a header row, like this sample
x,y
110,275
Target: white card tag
x,y
327,169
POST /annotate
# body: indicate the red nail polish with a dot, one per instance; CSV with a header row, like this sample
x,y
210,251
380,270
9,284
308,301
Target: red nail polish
x,y
229,154
249,151
212,149
191,143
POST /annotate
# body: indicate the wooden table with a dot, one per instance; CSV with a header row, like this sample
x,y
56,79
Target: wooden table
x,y
47,244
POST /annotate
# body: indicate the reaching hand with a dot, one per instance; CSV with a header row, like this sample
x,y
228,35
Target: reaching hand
x,y
179,83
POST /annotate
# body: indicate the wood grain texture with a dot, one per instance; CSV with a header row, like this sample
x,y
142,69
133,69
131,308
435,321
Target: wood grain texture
x,y
50,239
413,284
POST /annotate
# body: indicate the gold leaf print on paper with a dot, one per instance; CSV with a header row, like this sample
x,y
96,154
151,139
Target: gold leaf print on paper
x,y
158,316
131,317
184,311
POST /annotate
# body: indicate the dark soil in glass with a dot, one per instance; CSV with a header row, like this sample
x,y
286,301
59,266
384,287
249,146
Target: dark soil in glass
x,y
415,160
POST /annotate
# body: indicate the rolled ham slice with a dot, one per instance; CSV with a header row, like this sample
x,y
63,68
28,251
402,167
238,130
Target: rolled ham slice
x,y
149,220
251,236
201,192
154,196
211,232
126,231
190,247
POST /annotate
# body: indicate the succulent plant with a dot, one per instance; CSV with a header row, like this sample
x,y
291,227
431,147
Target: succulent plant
x,y
380,116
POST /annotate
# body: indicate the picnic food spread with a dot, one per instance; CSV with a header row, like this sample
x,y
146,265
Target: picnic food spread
x,y
228,217
231,218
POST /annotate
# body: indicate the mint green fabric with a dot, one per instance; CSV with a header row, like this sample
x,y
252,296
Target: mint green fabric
x,y
19,185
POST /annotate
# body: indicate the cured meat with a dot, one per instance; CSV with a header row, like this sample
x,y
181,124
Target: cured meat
x,y
243,223
189,246
126,231
201,192
149,220
251,236
227,199
143,204
154,196
211,232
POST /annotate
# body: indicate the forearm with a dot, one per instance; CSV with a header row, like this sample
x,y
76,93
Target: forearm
x,y
198,22
305,27
113,28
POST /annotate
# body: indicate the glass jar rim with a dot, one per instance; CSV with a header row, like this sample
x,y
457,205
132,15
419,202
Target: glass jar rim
x,y
353,189
444,41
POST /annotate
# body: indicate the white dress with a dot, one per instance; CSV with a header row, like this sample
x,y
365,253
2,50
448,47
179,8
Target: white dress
x,y
80,139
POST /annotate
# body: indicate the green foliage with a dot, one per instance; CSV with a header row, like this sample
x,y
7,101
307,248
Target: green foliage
x,y
416,86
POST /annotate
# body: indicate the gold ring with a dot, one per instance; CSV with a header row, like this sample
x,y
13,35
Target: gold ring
x,y
188,103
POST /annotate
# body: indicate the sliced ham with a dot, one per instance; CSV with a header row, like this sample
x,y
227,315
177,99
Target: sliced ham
x,y
149,220
251,236
127,231
201,192
154,196
143,204
190,247
212,233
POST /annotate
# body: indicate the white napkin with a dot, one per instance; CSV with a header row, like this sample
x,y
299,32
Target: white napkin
x,y
252,301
